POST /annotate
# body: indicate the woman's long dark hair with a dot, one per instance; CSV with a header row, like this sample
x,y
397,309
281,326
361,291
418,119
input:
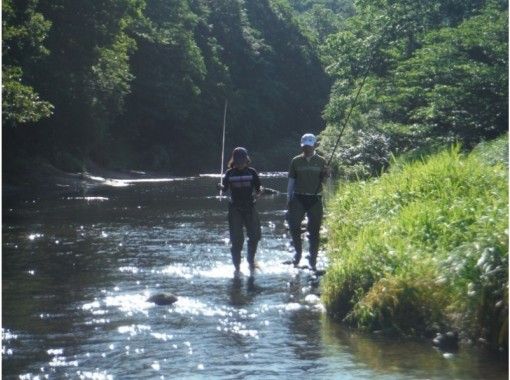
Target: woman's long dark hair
x,y
230,163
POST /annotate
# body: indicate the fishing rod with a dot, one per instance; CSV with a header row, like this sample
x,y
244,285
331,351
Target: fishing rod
x,y
355,100
346,120
353,104
223,146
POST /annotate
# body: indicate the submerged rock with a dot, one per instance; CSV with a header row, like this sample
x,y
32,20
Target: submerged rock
x,y
162,298
447,341
269,191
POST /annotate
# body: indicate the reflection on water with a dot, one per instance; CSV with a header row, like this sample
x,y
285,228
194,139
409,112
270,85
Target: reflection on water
x,y
78,270
416,358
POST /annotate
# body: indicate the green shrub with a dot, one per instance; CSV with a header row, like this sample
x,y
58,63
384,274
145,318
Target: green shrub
x,y
424,247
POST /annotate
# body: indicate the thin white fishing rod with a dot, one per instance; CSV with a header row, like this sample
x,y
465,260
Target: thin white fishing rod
x,y
223,146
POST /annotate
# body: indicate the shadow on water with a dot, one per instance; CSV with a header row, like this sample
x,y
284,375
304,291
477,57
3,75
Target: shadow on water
x,y
243,291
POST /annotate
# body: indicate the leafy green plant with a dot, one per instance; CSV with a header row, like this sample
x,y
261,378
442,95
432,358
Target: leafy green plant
x,y
24,31
428,239
437,74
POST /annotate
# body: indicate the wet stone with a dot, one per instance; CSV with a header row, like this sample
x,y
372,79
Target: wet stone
x,y
162,299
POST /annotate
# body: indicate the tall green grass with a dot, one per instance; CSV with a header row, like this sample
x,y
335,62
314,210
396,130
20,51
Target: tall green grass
x,y
424,247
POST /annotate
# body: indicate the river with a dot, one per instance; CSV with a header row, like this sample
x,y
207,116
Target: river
x,y
77,270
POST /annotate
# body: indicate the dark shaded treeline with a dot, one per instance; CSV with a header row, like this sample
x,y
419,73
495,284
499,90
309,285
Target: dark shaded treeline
x,y
142,84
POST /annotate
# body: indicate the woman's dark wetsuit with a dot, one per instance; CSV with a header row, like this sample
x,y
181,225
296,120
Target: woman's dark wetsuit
x,y
242,183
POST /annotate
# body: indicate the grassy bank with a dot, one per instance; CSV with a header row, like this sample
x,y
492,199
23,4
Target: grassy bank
x,y
424,248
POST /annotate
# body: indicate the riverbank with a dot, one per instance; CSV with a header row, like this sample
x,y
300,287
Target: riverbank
x,y
423,249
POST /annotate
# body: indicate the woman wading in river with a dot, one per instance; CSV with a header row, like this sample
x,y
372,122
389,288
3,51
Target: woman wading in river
x,y
243,182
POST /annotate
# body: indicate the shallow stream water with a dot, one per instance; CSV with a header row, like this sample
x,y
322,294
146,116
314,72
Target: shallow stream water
x,y
77,271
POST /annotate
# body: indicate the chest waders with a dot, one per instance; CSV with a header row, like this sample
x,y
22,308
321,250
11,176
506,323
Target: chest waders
x,y
308,200
239,217
311,205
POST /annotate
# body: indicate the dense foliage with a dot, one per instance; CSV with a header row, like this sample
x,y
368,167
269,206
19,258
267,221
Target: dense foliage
x,y
142,84
321,18
424,248
22,47
437,72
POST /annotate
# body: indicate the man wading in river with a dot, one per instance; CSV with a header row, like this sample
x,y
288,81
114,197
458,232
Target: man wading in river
x,y
306,174
242,181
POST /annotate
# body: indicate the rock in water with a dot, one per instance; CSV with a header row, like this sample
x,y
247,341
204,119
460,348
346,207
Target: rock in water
x,y
162,298
269,191
448,341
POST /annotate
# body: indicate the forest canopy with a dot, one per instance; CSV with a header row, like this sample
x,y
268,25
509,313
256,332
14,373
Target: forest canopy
x,y
142,84
437,73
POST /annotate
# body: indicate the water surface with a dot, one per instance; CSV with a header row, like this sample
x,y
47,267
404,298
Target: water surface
x,y
77,271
